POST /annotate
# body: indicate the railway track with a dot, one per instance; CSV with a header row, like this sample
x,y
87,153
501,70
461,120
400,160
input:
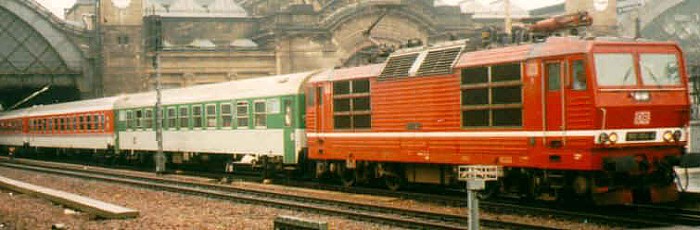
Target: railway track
x,y
636,216
365,212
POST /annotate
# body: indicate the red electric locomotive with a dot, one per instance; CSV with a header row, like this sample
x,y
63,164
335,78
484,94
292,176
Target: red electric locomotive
x,y
602,119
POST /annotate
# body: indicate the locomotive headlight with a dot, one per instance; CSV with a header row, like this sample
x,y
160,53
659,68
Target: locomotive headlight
x,y
641,96
613,138
677,135
603,138
668,136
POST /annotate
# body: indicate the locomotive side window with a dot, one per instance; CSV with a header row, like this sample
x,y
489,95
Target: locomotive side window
x,y
492,96
260,114
211,115
351,104
184,117
197,116
615,70
553,76
578,76
242,114
226,115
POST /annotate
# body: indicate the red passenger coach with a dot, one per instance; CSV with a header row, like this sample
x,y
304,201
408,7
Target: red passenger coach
x,y
579,118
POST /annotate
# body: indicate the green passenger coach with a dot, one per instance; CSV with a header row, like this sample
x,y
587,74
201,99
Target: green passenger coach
x,y
239,122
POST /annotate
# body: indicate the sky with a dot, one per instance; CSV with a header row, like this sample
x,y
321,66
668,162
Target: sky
x,y
57,6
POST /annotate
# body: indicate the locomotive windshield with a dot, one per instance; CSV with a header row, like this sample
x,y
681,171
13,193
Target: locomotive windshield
x,y
659,69
615,70
618,69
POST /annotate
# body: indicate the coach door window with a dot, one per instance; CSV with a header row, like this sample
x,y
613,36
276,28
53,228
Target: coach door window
x,y
492,96
351,104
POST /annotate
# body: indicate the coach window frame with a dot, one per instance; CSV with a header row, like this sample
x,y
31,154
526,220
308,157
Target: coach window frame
x,y
223,115
259,115
185,117
193,109
243,104
208,116
491,85
148,119
171,117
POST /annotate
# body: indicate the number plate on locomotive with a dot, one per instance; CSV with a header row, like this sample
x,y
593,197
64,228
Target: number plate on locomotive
x,y
640,136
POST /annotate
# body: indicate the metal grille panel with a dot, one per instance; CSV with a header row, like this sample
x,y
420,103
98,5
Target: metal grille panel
x,y
439,62
398,66
24,50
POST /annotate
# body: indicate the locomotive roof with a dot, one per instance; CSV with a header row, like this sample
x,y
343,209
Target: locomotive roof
x,y
348,73
554,46
82,106
247,88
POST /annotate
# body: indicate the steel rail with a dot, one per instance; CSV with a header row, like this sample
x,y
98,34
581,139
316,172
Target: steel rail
x,y
364,212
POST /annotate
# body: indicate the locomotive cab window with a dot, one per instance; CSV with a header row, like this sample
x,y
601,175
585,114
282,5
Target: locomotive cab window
x,y
351,104
492,96
578,76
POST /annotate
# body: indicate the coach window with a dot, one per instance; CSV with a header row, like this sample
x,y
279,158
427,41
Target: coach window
x,y
351,104
260,114
197,116
148,119
492,96
172,118
211,115
242,114
130,119
184,117
226,115
138,118
98,122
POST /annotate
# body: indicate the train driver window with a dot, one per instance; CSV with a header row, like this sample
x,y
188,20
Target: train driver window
x,y
553,76
579,76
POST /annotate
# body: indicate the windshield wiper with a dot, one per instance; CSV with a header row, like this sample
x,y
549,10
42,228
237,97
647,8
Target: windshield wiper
x,y
653,76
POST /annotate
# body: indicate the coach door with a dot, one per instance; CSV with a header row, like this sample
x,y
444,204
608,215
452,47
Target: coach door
x,y
554,119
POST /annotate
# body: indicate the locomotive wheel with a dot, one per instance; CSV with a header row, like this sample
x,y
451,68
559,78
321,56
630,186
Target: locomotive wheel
x,y
492,189
393,182
348,177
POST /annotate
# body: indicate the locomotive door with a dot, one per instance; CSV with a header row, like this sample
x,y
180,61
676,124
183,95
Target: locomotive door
x,y
554,75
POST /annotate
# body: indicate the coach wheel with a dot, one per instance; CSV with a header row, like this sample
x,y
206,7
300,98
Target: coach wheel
x,y
347,176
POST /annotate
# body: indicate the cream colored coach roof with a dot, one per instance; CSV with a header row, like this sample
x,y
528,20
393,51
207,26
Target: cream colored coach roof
x,y
247,88
12,114
82,106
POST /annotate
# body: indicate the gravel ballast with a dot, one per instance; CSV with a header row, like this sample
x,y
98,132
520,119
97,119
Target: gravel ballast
x,y
159,210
